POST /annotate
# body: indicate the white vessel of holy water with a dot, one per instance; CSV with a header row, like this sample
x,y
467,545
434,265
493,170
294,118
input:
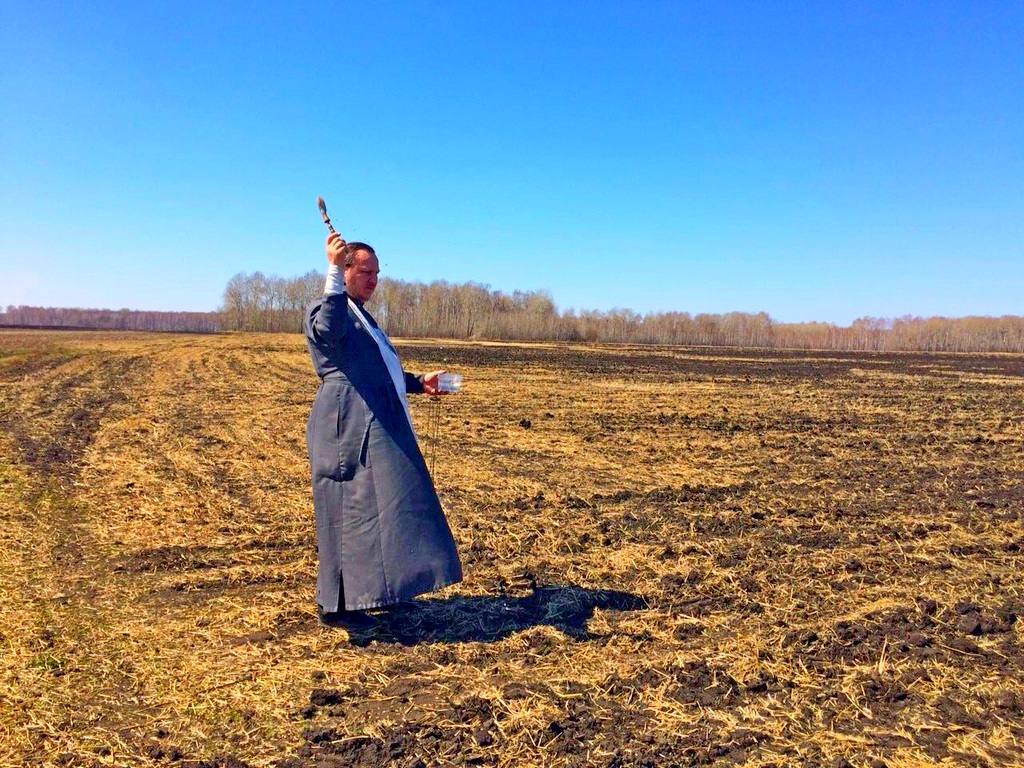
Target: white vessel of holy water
x,y
449,382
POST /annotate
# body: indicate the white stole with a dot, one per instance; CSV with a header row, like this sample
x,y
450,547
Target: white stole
x,y
387,351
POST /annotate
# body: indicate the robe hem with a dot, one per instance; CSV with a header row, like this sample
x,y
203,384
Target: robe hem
x,y
397,600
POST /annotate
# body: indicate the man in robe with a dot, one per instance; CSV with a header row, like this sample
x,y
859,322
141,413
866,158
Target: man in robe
x,y
381,535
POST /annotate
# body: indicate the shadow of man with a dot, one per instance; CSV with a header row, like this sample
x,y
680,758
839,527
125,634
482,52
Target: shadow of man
x,y
487,618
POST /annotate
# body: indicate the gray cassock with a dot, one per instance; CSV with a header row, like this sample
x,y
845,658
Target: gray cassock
x,y
381,535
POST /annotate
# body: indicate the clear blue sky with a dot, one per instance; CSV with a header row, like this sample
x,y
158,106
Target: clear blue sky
x,y
817,161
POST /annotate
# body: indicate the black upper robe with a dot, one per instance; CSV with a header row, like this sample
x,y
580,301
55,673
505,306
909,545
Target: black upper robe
x,y
381,535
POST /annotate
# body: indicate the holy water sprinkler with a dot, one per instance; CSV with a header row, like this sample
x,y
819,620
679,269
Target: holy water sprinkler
x,y
323,212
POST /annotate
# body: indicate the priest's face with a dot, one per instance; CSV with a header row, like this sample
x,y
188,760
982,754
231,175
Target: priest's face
x,y
361,276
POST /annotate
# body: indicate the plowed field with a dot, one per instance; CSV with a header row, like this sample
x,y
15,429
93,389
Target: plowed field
x,y
673,557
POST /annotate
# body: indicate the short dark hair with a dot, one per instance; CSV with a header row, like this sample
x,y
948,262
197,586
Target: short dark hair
x,y
350,249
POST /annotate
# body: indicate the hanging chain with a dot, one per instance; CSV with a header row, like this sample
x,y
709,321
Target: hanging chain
x,y
434,427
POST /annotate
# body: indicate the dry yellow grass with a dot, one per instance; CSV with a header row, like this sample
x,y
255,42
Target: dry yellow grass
x,y
673,557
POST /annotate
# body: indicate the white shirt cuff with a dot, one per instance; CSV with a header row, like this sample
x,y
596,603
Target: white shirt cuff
x,y
335,280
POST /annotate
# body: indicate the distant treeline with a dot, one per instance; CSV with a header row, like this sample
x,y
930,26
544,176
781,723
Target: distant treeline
x,y
473,311
257,302
111,319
